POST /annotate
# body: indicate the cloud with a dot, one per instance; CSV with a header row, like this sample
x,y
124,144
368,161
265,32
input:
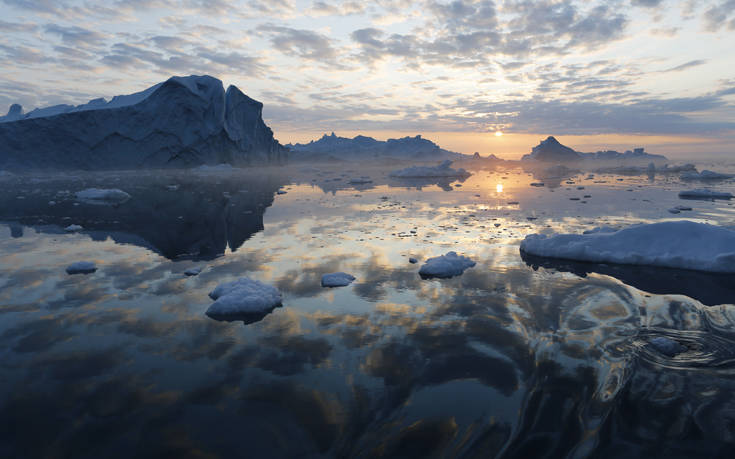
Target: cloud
x,y
302,43
686,65
77,36
719,15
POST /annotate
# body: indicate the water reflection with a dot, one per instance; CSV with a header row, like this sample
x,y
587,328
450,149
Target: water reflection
x,y
174,214
708,288
504,360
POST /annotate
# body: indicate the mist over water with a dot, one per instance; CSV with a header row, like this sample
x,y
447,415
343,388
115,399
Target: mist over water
x,y
517,357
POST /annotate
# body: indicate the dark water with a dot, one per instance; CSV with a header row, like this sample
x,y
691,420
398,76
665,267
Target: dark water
x,y
517,357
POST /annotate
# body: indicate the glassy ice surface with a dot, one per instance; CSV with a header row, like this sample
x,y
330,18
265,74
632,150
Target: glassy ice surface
x,y
518,356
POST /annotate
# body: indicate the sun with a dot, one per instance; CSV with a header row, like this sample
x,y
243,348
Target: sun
x,y
498,133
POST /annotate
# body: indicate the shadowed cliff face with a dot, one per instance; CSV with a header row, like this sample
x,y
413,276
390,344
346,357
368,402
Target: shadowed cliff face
x,y
175,214
183,122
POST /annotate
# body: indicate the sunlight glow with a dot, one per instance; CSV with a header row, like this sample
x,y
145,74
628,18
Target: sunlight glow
x,y
499,187
498,133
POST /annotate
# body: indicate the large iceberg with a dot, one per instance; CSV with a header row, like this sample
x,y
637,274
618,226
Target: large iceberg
x,y
182,122
675,244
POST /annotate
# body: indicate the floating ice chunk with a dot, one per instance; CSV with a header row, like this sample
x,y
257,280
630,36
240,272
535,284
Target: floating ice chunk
x,y
243,296
674,210
102,195
73,228
667,346
360,181
677,244
448,265
413,260
705,175
281,192
703,193
442,170
193,271
338,279
683,208
81,267
537,184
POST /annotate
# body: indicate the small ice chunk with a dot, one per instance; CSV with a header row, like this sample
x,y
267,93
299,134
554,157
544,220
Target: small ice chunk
x,y
683,208
413,260
667,346
281,192
360,181
193,271
73,228
674,210
81,267
338,279
537,184
102,195
243,296
447,265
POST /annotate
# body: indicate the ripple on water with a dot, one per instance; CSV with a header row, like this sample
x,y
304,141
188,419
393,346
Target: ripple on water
x,y
698,349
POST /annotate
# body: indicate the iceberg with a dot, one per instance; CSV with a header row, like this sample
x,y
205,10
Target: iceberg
x,y
333,147
551,150
705,175
674,244
442,170
703,193
182,122
444,266
243,296
338,279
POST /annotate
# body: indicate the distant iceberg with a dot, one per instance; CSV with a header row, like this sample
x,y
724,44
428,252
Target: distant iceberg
x,y
704,193
551,150
182,122
444,169
332,147
705,175
676,244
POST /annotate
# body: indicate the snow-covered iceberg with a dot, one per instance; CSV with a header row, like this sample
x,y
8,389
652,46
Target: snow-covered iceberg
x,y
551,150
444,169
182,122
447,265
241,297
676,244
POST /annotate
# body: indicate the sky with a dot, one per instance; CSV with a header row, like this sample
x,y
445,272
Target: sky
x,y
612,74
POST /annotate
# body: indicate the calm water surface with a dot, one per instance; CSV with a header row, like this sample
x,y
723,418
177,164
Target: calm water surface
x,y
517,357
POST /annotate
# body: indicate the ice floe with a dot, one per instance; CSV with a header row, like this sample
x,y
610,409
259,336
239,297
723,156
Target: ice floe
x,y
447,265
705,175
102,195
338,279
243,296
193,271
676,244
81,267
704,193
